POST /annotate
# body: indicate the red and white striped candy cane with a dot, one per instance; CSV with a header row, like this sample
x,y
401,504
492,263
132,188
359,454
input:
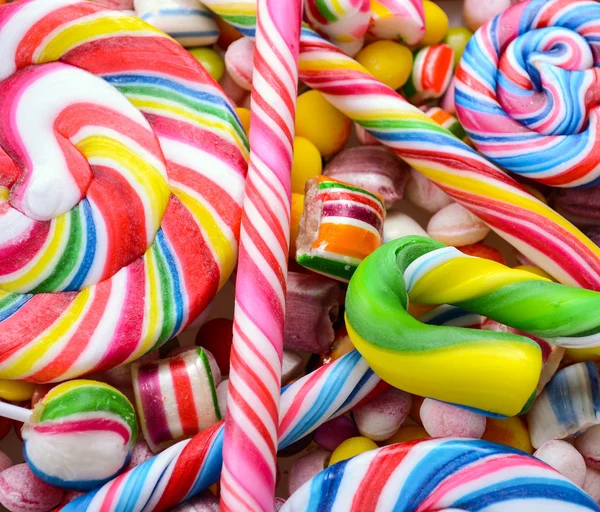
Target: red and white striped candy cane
x,y
250,444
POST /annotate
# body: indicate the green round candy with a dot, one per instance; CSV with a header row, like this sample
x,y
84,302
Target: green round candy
x,y
457,38
210,60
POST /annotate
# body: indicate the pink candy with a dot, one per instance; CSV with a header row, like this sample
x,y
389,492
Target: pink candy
x,y
306,467
588,445
381,418
204,502
239,60
457,226
564,458
423,193
334,432
22,491
478,12
5,461
445,420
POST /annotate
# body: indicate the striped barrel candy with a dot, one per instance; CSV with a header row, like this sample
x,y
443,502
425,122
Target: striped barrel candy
x,y
398,19
175,397
527,95
121,182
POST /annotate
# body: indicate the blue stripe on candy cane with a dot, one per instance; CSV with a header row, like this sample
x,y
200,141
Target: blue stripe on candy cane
x,y
211,470
177,295
325,486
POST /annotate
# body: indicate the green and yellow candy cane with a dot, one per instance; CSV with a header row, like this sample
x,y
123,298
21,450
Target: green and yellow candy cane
x,y
492,371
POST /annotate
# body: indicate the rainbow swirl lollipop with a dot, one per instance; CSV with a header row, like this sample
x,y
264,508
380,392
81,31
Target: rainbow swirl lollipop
x,y
527,91
121,180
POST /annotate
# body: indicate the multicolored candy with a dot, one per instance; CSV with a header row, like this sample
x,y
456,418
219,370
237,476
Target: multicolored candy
x,y
431,73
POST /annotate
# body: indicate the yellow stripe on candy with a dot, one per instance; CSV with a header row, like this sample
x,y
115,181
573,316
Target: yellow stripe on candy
x,y
220,244
307,64
378,10
52,249
337,7
153,304
65,387
35,351
211,123
466,278
4,193
448,373
146,176
232,8
80,32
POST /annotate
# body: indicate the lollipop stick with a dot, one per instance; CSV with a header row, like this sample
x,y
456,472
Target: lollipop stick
x,y
14,412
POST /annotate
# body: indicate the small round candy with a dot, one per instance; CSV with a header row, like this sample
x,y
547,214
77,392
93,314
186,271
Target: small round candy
x,y
588,445
334,432
388,61
5,461
423,193
457,38
380,418
216,336
306,467
478,12
22,491
239,61
14,391
480,250
563,457
508,431
445,420
321,123
455,225
436,24
307,163
244,116
210,60
80,435
351,448
407,433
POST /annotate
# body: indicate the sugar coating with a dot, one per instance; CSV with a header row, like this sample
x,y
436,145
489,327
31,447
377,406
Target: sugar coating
x,y
22,491
563,457
381,418
334,432
588,444
445,420
141,453
306,467
204,502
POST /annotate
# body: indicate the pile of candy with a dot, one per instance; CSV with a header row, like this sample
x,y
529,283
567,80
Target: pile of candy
x,y
407,212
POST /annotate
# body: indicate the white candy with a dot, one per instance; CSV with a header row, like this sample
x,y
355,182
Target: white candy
x,y
423,193
398,224
187,21
564,458
457,226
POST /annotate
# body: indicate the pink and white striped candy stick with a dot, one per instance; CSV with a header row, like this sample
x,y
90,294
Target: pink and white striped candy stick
x,y
250,444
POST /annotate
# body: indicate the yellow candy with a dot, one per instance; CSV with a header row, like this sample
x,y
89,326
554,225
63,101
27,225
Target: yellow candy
x,y
389,62
351,448
509,431
436,24
244,115
210,60
321,123
535,270
295,214
407,433
14,391
306,165
576,355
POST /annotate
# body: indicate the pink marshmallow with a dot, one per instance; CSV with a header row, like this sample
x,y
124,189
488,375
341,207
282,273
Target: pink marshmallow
x,y
334,432
239,61
478,12
445,420
588,444
5,461
424,193
306,467
204,502
563,457
457,226
140,454
591,485
381,418
22,491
